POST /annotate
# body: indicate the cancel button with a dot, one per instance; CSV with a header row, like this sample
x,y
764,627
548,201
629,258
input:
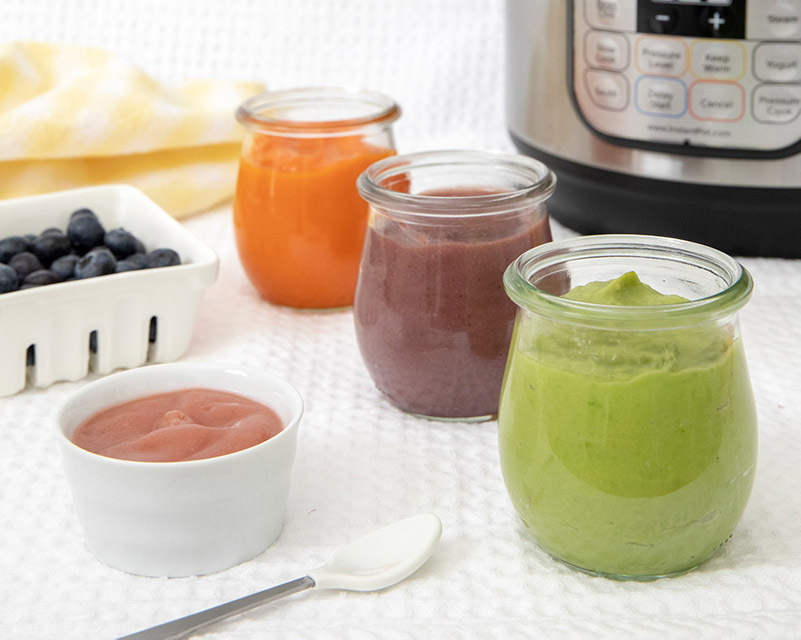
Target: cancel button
x,y
717,101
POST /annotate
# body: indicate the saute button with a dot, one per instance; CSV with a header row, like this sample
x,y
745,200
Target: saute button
x,y
607,50
661,97
777,103
607,90
778,62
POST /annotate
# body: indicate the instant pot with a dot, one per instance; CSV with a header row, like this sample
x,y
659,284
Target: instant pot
x,y
667,117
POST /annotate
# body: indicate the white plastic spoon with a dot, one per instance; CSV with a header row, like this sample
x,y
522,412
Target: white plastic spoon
x,y
376,561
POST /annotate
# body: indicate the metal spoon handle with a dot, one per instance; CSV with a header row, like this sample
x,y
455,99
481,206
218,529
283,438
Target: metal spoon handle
x,y
182,626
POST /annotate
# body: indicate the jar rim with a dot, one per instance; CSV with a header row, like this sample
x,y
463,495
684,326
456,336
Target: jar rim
x,y
540,183
738,289
263,110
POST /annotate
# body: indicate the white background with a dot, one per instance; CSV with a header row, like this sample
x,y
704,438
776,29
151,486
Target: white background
x,y
361,463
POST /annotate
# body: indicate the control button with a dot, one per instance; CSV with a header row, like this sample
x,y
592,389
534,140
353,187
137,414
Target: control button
x,y
717,22
778,62
664,20
612,14
717,101
774,20
607,90
776,103
661,56
784,19
605,50
661,97
718,60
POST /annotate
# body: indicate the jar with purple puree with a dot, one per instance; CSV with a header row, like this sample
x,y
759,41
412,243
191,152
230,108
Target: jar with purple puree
x,y
432,320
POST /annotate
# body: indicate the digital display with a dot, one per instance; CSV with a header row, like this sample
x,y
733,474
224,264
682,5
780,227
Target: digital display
x,y
692,18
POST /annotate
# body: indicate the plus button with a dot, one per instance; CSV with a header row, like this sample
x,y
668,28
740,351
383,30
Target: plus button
x,y
717,21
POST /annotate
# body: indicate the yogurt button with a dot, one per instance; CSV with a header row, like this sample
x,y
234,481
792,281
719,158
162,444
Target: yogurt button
x,y
777,104
778,62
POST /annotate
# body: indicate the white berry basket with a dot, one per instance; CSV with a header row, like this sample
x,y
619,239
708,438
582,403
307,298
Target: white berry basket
x,y
57,320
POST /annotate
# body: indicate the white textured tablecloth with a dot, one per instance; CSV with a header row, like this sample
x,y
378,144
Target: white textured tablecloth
x,y
361,463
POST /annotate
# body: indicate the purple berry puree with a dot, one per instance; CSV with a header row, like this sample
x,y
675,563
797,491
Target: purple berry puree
x,y
432,319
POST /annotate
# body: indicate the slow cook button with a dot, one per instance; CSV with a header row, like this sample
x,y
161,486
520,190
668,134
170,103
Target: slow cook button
x,y
605,50
607,90
661,97
661,56
718,60
717,101
778,62
776,103
620,15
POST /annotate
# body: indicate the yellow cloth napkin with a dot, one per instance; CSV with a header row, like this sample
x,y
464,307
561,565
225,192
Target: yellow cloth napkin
x,y
74,116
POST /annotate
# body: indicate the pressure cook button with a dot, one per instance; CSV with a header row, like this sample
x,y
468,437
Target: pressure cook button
x,y
657,56
778,62
612,14
607,90
717,101
661,97
605,50
776,103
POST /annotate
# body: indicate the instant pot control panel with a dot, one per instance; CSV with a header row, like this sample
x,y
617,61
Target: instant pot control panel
x,y
709,77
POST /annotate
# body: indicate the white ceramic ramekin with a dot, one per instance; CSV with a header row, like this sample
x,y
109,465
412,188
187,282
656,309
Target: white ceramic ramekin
x,y
180,518
59,318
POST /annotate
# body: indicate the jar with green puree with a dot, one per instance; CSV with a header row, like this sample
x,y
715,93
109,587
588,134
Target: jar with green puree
x,y
627,427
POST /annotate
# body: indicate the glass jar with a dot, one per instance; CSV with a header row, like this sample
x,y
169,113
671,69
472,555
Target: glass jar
x,y
628,434
298,219
432,321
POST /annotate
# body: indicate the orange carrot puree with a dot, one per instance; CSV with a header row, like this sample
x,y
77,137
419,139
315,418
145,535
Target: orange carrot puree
x,y
299,220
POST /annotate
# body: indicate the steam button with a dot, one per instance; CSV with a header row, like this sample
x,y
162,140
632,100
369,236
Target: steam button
x,y
784,19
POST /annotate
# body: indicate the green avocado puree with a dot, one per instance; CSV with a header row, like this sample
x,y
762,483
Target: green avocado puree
x,y
627,453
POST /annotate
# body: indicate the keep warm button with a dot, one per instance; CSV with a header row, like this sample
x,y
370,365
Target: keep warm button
x,y
717,101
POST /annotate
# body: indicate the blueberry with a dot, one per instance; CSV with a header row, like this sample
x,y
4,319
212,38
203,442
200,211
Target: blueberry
x,y
82,212
85,231
52,231
29,237
11,246
162,258
24,263
95,263
64,266
41,277
133,262
9,280
49,247
121,242
93,342
30,356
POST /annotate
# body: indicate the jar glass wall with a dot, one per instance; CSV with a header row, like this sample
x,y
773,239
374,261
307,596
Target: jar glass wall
x,y
628,433
298,219
432,320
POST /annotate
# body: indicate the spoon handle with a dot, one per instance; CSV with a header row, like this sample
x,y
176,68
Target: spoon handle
x,y
182,626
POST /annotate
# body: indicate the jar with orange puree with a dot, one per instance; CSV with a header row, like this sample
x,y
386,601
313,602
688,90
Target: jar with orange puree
x,y
298,218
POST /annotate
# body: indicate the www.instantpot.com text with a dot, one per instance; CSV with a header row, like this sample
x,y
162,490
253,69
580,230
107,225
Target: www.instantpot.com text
x,y
675,129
